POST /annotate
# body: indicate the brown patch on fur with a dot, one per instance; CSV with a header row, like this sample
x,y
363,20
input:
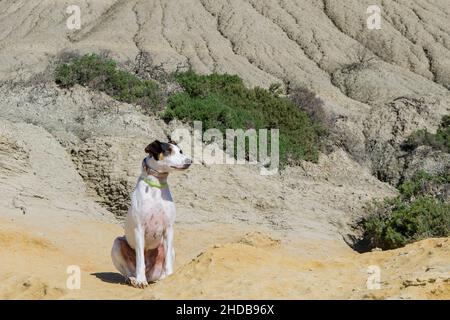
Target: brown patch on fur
x,y
158,149
154,149
154,259
154,262
127,252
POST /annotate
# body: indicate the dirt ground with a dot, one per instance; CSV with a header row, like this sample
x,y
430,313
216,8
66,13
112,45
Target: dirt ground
x,y
214,262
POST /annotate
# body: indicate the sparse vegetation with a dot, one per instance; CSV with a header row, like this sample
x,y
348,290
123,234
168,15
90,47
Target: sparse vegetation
x,y
101,73
420,211
307,101
218,101
223,101
439,140
362,56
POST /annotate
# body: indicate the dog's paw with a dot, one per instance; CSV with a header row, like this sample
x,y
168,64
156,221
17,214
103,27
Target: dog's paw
x,y
136,283
165,274
162,276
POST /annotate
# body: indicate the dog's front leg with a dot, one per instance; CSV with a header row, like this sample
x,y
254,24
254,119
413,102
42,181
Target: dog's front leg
x,y
140,281
168,250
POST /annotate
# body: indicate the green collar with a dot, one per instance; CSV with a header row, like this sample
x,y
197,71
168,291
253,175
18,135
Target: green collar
x,y
155,184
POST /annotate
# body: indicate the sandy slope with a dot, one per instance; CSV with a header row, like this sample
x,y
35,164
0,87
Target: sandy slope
x,y
215,261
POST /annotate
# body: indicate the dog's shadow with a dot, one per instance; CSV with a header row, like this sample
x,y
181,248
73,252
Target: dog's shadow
x,y
110,277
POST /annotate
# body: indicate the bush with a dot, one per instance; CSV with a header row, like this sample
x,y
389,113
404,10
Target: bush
x,y
414,215
223,102
439,141
424,184
101,73
307,101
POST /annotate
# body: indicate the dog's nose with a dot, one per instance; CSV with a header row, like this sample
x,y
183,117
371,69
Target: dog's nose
x,y
188,161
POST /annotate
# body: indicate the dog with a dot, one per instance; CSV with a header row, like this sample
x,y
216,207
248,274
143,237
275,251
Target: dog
x,y
146,254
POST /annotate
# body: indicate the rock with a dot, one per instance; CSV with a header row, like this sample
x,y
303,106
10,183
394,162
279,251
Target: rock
x,y
39,173
387,129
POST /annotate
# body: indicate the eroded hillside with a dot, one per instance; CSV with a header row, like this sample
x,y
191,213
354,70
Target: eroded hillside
x,y
323,45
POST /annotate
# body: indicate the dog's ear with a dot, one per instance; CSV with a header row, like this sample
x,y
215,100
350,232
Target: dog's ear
x,y
169,139
155,149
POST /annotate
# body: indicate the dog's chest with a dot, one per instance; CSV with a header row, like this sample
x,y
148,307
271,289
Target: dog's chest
x,y
157,213
155,223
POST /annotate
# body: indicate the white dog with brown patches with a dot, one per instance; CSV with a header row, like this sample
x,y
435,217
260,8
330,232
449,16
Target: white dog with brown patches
x,y
146,254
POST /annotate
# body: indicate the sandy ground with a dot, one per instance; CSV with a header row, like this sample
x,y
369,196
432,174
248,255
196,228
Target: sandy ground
x,y
213,262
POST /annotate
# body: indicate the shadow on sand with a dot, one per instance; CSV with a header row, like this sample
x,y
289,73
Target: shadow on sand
x,y
110,277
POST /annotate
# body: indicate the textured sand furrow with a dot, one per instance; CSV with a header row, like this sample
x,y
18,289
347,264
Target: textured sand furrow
x,y
302,42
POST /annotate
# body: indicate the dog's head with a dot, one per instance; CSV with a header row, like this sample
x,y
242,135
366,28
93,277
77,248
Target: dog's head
x,y
166,157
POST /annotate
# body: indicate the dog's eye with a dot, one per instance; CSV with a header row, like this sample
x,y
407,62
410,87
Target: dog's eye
x,y
181,151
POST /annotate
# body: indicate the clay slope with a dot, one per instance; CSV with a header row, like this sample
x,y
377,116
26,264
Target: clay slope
x,y
38,177
105,140
305,41
320,44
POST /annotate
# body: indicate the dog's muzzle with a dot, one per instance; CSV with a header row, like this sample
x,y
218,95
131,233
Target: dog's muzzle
x,y
186,165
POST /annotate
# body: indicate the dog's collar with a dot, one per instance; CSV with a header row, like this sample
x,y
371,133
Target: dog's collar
x,y
155,184
153,172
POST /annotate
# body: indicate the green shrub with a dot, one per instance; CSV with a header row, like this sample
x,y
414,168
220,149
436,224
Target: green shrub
x,y
102,74
440,140
223,102
413,215
423,183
